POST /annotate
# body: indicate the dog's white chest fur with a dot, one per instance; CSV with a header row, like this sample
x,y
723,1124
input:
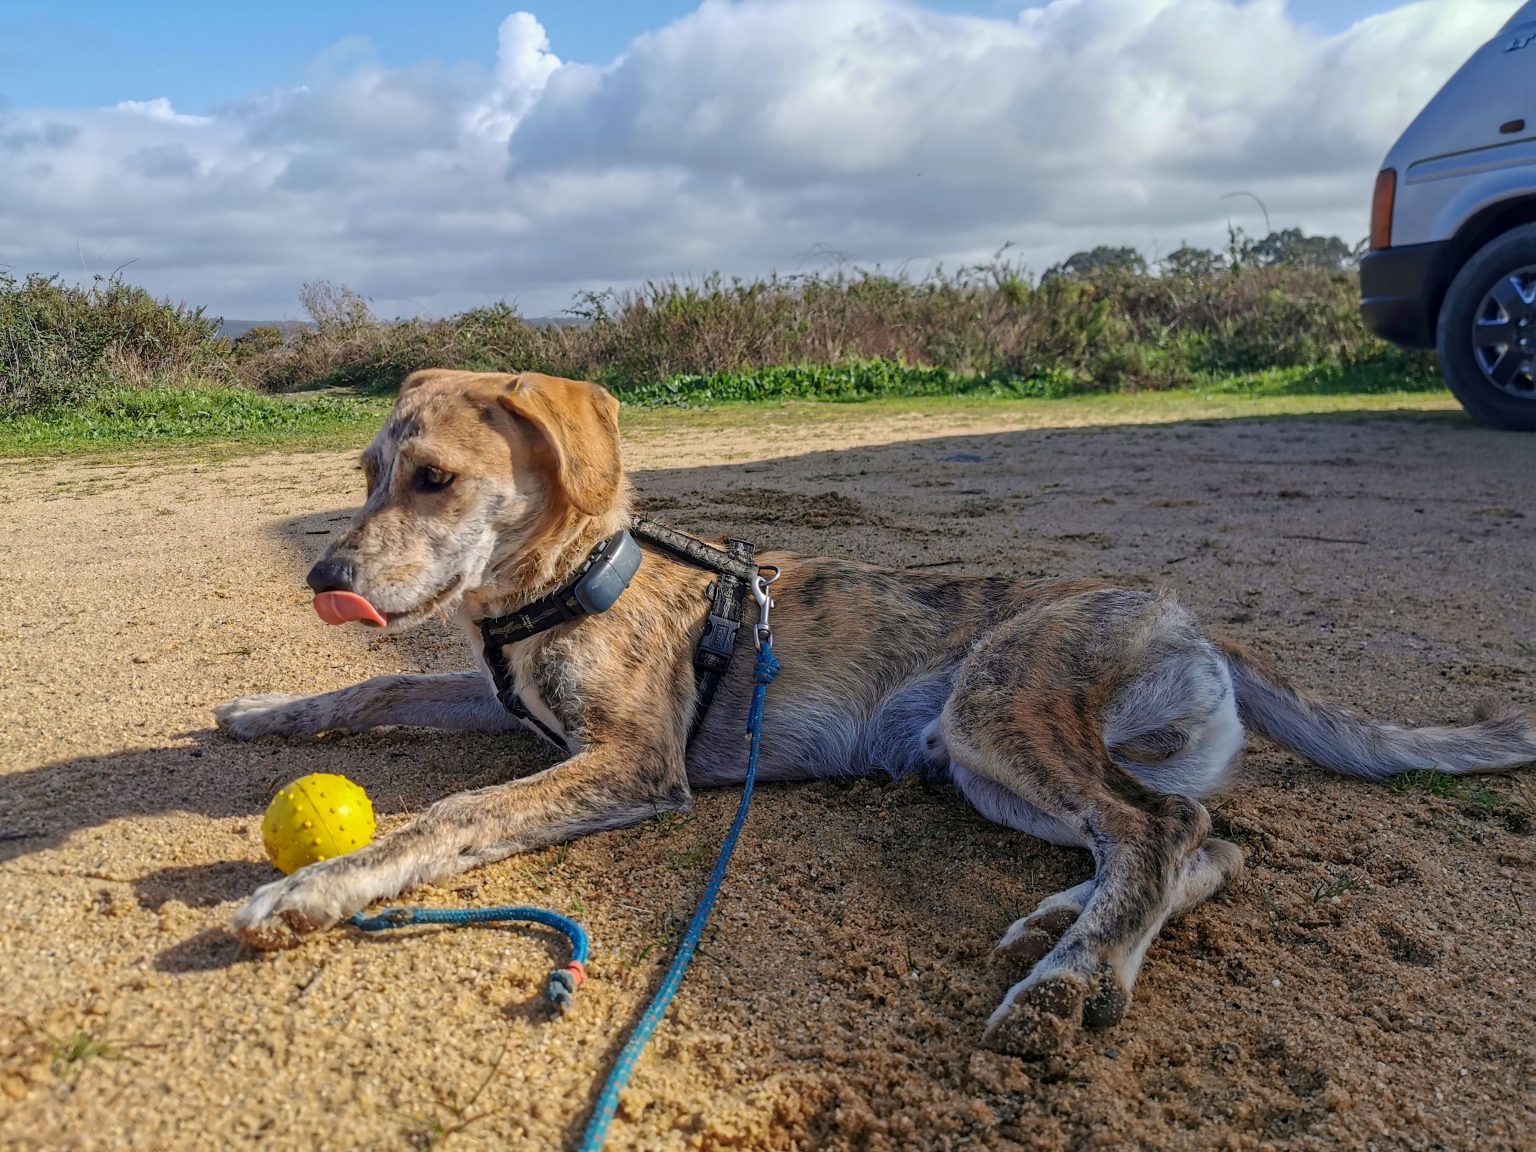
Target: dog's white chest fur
x,y
527,688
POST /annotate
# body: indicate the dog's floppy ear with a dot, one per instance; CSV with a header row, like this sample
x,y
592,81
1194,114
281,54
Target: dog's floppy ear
x,y
580,423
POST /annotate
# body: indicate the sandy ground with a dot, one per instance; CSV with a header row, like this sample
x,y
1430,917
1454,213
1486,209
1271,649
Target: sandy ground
x,y
1368,984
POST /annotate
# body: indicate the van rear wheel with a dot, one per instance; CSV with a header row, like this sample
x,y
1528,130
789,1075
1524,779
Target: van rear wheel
x,y
1487,332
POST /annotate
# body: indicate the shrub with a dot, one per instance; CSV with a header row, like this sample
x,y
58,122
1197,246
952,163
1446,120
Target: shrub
x,y
1109,325
1102,321
255,341
61,343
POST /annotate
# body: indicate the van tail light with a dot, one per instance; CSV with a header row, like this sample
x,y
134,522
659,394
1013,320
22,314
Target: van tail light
x,y
1381,208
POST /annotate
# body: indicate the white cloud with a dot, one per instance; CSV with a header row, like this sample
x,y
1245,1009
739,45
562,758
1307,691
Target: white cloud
x,y
524,65
740,138
158,109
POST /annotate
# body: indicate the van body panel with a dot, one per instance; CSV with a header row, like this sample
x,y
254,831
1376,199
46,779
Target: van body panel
x,y
1398,289
1428,216
1453,262
1453,161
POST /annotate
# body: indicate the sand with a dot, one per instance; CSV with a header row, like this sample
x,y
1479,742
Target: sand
x,y
1368,984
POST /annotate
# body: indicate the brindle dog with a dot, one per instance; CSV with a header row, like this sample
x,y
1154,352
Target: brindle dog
x,y
1085,714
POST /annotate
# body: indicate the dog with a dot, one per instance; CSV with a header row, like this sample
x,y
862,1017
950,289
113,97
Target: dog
x,y
1082,713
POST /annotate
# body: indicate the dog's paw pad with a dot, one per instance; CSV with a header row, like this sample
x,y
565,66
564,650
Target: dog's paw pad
x,y
1107,1000
274,933
1032,937
283,913
1040,1021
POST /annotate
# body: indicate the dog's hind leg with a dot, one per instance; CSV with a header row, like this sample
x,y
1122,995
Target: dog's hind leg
x,y
1034,728
1173,726
1149,864
1032,936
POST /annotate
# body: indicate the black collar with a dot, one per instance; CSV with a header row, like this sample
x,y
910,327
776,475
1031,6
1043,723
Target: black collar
x,y
597,586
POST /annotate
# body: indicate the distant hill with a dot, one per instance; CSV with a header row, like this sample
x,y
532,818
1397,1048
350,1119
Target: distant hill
x,y
234,329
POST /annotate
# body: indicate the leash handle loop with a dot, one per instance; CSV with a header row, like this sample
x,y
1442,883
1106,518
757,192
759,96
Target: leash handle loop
x,y
562,982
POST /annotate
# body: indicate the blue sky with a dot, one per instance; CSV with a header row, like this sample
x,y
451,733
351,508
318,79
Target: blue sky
x,y
436,157
99,52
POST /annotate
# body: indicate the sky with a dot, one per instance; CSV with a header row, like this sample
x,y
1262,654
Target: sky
x,y
438,157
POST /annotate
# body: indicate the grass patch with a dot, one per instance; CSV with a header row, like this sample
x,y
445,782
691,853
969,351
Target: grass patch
x,y
62,344
853,382
447,1116
990,329
127,418
1441,784
204,415
1344,883
1476,799
72,1054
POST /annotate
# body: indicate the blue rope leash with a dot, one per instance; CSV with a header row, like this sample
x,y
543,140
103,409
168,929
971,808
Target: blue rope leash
x,y
562,983
608,1102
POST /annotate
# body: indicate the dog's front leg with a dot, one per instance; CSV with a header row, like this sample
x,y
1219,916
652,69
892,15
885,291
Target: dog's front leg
x,y
455,701
603,787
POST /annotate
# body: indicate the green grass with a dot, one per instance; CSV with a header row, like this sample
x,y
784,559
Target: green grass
x,y
130,418
987,330
1344,883
1441,784
1476,798
205,416
70,1055
878,379
867,380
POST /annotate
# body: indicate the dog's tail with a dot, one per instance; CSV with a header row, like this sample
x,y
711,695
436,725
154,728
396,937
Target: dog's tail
x,y
1500,738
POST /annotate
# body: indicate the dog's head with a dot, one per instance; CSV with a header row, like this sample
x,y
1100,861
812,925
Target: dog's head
x,y
474,478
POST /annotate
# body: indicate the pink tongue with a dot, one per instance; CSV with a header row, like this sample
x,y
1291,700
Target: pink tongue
x,y
344,607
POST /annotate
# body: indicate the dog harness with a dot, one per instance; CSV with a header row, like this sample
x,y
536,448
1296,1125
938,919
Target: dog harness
x,y
597,586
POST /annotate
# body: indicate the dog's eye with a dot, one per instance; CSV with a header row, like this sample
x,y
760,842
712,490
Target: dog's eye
x,y
432,479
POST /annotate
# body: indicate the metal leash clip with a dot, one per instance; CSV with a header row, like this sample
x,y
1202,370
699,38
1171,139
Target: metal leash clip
x,y
764,602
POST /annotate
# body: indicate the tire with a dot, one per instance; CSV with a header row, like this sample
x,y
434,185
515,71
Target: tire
x,y
1493,296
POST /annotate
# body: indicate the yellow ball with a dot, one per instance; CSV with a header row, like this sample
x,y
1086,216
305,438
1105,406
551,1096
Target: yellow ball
x,y
316,818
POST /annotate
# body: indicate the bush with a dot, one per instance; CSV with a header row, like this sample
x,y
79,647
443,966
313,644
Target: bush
x,y
1101,322
1109,326
61,344
253,342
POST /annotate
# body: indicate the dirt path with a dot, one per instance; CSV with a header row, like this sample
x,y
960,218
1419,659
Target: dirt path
x,y
1367,986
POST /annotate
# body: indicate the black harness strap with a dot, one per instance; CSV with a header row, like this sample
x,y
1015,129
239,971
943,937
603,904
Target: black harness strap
x,y
496,633
727,596
696,552
711,658
506,692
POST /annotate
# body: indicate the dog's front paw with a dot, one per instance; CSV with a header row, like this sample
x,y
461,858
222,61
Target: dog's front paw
x,y
281,914
270,714
1038,1018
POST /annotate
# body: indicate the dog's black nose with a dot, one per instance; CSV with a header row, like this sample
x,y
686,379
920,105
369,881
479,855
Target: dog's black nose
x,y
330,575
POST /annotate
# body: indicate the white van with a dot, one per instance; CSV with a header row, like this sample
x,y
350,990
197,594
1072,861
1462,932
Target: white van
x,y
1452,264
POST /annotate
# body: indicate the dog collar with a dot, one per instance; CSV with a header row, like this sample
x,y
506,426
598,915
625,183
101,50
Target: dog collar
x,y
597,586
